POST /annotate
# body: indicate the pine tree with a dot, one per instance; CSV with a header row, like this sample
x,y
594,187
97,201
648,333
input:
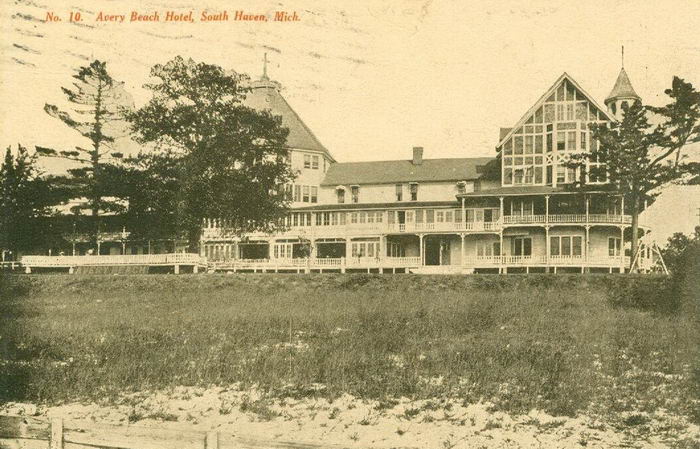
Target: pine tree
x,y
25,198
635,157
99,105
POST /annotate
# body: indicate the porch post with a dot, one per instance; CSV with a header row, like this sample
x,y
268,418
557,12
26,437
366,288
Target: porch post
x,y
587,210
622,209
500,256
501,201
462,261
546,208
588,246
622,248
464,218
421,251
270,244
546,246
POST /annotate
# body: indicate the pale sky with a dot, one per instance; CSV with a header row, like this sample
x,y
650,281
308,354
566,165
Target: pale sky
x,y
371,78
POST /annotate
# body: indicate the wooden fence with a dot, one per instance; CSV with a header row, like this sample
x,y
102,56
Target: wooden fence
x,y
24,432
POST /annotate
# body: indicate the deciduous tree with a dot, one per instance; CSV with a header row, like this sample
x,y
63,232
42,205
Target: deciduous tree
x,y
233,158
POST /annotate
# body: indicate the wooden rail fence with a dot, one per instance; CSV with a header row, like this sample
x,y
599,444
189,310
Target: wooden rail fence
x,y
25,432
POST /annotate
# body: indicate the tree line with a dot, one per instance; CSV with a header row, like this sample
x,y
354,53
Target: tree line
x,y
208,155
205,154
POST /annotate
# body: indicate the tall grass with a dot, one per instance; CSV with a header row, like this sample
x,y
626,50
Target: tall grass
x,y
556,343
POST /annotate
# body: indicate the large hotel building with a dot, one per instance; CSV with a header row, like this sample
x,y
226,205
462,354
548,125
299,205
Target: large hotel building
x,y
511,213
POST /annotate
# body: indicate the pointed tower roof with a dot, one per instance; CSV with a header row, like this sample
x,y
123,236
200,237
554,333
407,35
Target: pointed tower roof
x,y
623,88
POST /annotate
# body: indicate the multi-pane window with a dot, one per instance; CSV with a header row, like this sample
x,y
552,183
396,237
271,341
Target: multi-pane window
x,y
314,194
297,193
365,249
314,162
414,191
355,193
559,125
521,246
399,192
614,246
566,245
341,195
305,194
488,249
307,161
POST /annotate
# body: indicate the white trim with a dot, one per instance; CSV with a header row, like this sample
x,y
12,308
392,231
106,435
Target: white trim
x,y
543,99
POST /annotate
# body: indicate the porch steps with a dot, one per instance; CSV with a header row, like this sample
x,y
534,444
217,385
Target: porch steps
x,y
441,269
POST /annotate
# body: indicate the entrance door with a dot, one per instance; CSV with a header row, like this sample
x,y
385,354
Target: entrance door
x,y
522,246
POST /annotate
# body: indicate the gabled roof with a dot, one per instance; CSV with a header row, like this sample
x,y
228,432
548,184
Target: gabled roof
x,y
389,172
265,95
550,91
623,88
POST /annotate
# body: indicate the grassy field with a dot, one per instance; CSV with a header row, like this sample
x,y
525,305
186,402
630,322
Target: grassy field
x,y
562,344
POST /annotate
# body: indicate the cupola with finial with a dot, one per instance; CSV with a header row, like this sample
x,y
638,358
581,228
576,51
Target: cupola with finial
x,y
264,81
623,94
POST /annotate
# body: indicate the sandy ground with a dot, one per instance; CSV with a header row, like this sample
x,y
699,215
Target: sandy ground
x,y
351,422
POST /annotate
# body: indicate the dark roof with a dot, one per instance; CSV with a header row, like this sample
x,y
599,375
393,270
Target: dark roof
x,y
503,132
387,172
529,190
367,206
520,190
623,88
265,95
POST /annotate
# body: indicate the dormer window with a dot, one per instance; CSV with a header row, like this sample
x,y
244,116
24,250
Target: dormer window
x,y
414,191
462,187
340,192
355,194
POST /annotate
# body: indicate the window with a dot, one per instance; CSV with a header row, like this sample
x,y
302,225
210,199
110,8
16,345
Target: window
x,y
399,192
297,193
566,245
341,195
314,194
571,141
583,140
355,193
561,141
353,217
414,191
561,174
305,196
439,216
307,161
363,217
521,246
314,162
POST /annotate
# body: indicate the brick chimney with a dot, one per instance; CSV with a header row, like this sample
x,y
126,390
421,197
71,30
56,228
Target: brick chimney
x,y
417,155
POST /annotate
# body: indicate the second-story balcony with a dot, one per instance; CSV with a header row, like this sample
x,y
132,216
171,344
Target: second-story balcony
x,y
379,228
567,218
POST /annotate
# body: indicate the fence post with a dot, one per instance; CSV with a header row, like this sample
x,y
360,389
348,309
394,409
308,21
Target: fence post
x,y
56,441
212,440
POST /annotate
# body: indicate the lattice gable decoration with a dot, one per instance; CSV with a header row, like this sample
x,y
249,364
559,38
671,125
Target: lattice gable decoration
x,y
534,151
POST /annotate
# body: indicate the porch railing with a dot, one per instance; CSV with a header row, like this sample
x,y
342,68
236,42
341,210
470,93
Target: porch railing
x,y
135,259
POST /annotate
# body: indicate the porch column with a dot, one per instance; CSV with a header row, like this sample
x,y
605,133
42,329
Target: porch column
x,y
501,201
546,208
622,247
500,256
421,251
546,246
587,210
587,246
464,218
270,244
622,208
462,261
